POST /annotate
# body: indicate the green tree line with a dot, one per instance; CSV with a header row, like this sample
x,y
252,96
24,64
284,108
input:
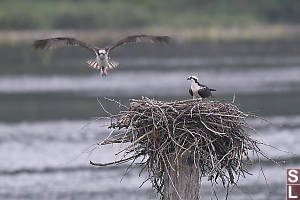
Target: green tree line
x,y
95,14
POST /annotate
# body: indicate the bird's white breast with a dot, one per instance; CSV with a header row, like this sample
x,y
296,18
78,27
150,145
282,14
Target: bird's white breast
x,y
195,87
104,62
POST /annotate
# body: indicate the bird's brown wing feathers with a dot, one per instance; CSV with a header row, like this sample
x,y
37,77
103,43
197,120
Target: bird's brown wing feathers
x,y
137,39
204,92
61,42
191,92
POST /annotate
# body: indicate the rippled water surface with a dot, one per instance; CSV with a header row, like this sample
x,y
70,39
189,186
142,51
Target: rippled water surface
x,y
50,103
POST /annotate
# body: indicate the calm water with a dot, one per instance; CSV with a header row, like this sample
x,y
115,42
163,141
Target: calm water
x,y
49,110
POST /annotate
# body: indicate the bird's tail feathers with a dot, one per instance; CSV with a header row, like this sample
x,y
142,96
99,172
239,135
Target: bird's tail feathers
x,y
112,64
93,63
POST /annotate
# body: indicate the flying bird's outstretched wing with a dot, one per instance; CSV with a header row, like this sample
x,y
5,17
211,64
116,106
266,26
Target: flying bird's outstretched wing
x,y
137,39
61,42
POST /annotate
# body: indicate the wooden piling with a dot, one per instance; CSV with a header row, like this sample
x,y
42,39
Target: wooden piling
x,y
182,180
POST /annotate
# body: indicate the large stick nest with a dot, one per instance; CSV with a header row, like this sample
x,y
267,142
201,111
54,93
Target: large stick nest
x,y
214,135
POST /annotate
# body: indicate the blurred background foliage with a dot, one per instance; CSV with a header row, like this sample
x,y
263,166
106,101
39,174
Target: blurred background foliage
x,y
96,14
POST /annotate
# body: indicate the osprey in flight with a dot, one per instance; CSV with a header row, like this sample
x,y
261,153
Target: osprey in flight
x,y
199,90
102,61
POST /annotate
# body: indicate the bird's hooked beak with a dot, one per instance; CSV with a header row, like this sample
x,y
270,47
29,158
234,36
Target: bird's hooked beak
x,y
102,56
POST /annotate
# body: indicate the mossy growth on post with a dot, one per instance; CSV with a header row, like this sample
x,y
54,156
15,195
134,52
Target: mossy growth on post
x,y
180,142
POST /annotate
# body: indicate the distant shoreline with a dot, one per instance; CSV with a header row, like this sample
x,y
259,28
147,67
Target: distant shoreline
x,y
209,33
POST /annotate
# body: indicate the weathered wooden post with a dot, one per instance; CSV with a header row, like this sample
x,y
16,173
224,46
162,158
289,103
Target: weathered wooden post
x,y
182,182
182,141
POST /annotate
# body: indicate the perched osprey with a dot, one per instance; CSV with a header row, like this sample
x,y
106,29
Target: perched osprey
x,y
102,61
199,90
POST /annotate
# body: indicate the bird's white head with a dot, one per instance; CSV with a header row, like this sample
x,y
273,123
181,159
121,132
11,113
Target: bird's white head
x,y
193,78
102,54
